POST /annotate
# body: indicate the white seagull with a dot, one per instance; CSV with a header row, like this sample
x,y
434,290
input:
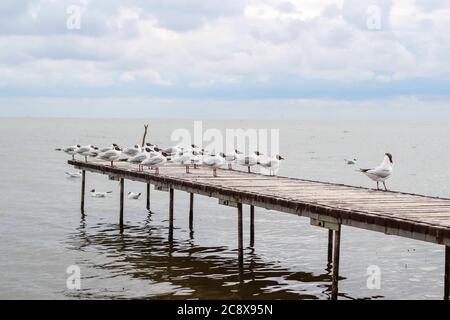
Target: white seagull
x,y
231,158
85,151
111,155
155,162
272,164
133,151
96,194
134,196
102,150
137,159
184,158
214,162
249,161
72,150
382,172
73,174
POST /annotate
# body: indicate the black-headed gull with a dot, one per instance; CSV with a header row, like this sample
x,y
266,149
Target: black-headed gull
x,y
249,161
132,151
111,155
97,194
382,172
134,196
73,174
137,159
72,150
85,151
184,158
214,162
350,161
102,150
272,164
231,158
155,162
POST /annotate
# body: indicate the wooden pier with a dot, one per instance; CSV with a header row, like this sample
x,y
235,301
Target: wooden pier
x,y
327,205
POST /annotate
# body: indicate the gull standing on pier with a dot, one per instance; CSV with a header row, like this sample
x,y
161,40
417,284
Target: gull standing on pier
x,y
111,155
214,162
231,158
138,158
155,162
185,159
382,172
85,151
249,161
272,164
132,151
103,150
72,150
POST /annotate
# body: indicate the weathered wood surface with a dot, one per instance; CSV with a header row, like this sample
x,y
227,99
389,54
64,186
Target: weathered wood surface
x,y
403,214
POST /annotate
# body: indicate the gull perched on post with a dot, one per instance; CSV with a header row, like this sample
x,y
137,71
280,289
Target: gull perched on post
x,y
382,172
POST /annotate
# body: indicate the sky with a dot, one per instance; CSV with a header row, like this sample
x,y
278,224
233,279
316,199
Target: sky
x,y
125,58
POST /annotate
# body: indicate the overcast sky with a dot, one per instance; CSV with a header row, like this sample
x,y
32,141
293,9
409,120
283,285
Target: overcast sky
x,y
174,54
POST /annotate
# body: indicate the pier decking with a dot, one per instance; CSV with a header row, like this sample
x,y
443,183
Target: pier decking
x,y
327,205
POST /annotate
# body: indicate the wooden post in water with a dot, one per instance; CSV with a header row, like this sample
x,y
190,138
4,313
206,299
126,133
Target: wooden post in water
x,y
191,211
148,196
240,237
83,187
337,245
447,274
252,226
171,196
330,246
122,192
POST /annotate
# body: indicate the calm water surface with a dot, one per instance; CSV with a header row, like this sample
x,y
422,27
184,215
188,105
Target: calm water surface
x,y
42,233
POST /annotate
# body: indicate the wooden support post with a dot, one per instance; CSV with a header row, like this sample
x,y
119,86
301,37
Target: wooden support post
x,y
191,211
148,196
337,244
240,237
252,226
122,192
447,274
171,196
330,246
83,187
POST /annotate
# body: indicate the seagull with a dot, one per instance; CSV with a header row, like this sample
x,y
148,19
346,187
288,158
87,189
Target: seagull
x,y
85,151
172,152
96,194
94,152
73,174
137,159
185,159
111,155
196,158
102,150
133,151
155,162
231,158
382,172
72,150
134,196
351,161
271,164
249,161
214,161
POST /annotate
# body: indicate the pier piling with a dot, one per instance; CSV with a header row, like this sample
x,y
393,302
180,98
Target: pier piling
x,y
330,246
252,226
240,237
171,199
148,196
122,192
83,187
335,277
447,274
191,211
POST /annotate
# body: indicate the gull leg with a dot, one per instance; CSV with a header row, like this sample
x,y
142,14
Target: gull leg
x,y
229,166
378,188
249,169
157,170
384,184
85,158
112,165
214,172
73,157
